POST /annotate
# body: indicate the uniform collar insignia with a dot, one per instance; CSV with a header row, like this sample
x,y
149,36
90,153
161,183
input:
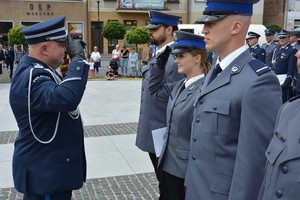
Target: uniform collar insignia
x,y
192,87
235,69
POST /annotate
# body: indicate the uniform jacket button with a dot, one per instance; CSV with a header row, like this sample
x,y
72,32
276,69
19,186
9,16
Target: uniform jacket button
x,y
197,119
67,160
201,102
194,157
215,107
78,69
269,151
194,139
284,170
278,193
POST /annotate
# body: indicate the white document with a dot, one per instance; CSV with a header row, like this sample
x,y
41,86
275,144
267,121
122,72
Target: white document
x,y
158,139
281,78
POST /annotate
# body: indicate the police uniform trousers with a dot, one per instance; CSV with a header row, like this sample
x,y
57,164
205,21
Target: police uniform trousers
x,y
64,195
161,177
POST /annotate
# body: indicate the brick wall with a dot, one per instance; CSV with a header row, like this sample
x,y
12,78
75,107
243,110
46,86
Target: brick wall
x,y
274,12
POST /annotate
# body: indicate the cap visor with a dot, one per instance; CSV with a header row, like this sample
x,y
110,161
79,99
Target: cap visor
x,y
210,18
179,50
153,26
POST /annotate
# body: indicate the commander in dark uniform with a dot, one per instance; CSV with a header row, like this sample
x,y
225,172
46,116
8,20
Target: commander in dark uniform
x,y
234,113
254,47
153,111
285,64
270,47
49,160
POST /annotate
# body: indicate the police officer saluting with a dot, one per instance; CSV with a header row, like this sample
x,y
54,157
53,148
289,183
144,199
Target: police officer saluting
x,y
255,49
270,47
49,159
285,64
153,111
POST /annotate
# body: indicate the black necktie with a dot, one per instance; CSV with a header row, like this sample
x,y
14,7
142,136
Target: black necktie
x,y
215,73
182,87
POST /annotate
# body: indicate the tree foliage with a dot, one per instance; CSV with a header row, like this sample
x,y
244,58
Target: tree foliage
x,y
138,35
274,27
114,30
15,37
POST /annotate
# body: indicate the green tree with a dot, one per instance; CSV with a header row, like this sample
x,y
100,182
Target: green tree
x,y
15,37
274,27
114,30
138,35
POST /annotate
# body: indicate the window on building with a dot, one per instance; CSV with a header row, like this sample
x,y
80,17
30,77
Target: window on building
x,y
4,28
128,25
75,29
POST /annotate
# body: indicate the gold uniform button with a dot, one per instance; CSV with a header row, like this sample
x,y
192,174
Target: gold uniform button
x,y
78,69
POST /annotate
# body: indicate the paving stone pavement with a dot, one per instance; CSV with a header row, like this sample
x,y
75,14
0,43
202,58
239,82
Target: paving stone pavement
x,y
129,187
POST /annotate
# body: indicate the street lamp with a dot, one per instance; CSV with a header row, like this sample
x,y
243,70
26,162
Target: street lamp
x,y
98,1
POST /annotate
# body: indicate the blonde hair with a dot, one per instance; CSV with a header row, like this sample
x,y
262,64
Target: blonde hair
x,y
204,64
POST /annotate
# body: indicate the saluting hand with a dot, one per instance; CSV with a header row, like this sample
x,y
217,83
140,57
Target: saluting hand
x,y
162,58
75,48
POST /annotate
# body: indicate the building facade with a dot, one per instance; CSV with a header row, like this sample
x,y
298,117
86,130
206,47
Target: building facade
x,y
25,12
131,13
83,19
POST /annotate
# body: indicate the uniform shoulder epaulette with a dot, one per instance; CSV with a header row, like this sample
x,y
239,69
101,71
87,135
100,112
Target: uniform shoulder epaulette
x,y
294,98
259,67
38,65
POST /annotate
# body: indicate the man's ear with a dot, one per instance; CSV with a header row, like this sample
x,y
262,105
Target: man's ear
x,y
236,27
44,49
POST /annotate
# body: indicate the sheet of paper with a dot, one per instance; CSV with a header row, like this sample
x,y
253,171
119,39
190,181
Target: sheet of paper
x,y
281,78
158,139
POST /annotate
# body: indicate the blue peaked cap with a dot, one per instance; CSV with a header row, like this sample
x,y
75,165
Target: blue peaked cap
x,y
219,9
283,33
158,19
295,32
53,29
252,34
269,32
185,41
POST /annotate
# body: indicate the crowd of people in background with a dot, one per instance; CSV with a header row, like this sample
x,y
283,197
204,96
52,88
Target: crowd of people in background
x,y
10,57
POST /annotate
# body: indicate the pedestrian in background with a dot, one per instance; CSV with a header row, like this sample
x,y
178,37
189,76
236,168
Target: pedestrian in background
x,y
19,53
133,59
285,64
254,47
116,53
49,157
282,170
124,60
235,111
153,111
9,60
2,61
96,58
270,46
149,53
192,60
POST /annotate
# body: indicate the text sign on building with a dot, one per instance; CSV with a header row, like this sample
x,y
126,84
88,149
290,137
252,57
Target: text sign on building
x,y
142,4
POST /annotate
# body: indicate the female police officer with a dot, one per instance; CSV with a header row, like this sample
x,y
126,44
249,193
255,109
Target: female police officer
x,y
191,58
